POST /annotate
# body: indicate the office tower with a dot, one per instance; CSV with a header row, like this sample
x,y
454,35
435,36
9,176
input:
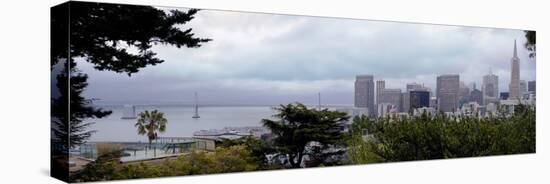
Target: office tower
x,y
463,94
380,84
489,87
406,104
411,86
364,93
522,87
514,82
390,96
504,95
433,102
531,86
384,109
476,96
419,99
447,92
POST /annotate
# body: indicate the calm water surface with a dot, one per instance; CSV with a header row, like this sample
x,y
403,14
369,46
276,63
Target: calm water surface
x,y
180,123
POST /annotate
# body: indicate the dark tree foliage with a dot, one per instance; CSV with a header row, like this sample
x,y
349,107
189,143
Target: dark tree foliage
x,y
531,43
101,168
101,34
301,131
75,132
258,148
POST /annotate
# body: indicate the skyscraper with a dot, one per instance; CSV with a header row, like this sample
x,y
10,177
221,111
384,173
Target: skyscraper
x,y
380,84
463,94
407,95
522,87
514,82
489,87
364,93
476,96
447,92
390,96
532,86
411,86
504,95
419,99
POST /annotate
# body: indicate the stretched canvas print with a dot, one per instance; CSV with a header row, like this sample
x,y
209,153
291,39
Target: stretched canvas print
x,y
146,91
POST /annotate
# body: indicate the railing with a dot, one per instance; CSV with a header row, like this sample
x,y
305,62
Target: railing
x,y
159,148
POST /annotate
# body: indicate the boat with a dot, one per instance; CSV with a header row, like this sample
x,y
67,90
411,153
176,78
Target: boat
x,y
196,115
129,112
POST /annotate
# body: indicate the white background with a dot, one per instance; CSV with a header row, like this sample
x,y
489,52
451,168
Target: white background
x,y
24,99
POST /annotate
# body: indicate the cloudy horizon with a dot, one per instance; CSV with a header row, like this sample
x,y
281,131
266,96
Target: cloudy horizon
x,y
257,58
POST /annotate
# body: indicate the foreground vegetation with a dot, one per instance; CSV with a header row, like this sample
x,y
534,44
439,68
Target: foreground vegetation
x,y
440,136
223,160
305,137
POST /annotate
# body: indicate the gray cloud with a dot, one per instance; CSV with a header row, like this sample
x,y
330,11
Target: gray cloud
x,y
266,58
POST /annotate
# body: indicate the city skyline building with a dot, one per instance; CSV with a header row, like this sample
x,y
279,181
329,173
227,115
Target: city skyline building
x,y
504,95
406,96
391,96
364,93
419,99
380,84
522,87
532,87
447,92
463,94
515,76
476,96
489,87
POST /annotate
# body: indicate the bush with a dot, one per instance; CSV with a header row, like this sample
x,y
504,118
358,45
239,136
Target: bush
x,y
440,136
231,159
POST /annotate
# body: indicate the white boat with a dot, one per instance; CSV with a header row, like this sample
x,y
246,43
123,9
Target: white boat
x,y
129,112
196,116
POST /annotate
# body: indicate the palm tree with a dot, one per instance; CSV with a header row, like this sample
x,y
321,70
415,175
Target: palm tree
x,y
149,123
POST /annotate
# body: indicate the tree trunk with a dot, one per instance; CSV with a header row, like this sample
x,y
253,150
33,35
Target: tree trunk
x,y
295,163
299,161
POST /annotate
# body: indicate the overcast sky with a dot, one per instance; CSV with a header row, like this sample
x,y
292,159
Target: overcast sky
x,y
271,59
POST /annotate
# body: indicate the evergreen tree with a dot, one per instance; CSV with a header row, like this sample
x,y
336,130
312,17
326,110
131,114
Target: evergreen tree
x,y
531,43
100,33
301,131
